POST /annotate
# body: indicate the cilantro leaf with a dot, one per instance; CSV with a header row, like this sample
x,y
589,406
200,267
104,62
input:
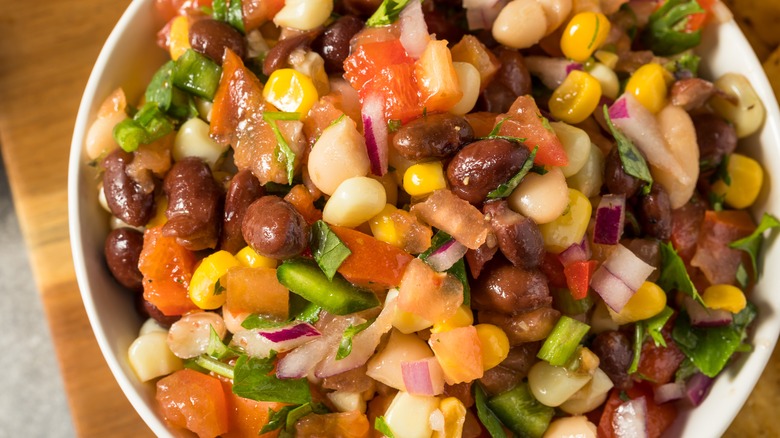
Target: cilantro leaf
x,y
650,327
276,419
218,288
387,13
253,379
458,269
439,239
345,346
286,417
216,366
284,154
505,189
381,425
632,160
710,348
752,243
639,340
393,125
216,348
486,415
328,250
673,274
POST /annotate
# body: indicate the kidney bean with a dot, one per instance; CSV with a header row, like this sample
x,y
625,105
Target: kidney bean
x,y
274,228
126,199
523,327
333,44
278,55
522,357
495,98
211,38
716,139
480,167
499,379
616,179
655,213
614,351
148,310
123,249
194,204
432,136
477,258
244,189
518,237
513,73
508,289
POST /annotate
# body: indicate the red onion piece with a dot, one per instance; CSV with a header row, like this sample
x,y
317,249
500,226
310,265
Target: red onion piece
x,y
482,14
610,218
446,255
630,419
423,377
668,392
551,71
698,387
375,131
618,110
290,332
414,31
618,278
259,343
577,252
702,317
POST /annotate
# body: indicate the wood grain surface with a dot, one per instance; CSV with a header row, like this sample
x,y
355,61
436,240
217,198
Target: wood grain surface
x,y
47,49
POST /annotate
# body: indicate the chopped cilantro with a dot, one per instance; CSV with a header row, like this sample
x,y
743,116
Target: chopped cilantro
x,y
752,243
505,189
632,160
277,419
327,249
215,366
387,13
381,425
649,327
393,125
673,274
284,154
254,380
458,269
345,346
218,288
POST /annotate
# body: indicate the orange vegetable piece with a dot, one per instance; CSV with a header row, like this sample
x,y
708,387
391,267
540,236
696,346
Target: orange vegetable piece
x,y
526,121
195,401
713,256
371,261
301,199
436,77
256,290
368,59
167,268
459,353
351,424
434,296
397,86
471,50
246,417
257,12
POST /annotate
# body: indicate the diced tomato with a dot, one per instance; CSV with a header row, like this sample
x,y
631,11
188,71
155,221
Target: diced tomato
x,y
301,199
697,21
553,270
368,59
434,296
195,401
659,417
686,223
257,12
256,290
397,86
371,261
524,120
658,363
713,256
436,78
167,268
578,276
246,417
459,353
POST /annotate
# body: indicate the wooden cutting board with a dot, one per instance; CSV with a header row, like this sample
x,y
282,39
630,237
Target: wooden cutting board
x,y
47,49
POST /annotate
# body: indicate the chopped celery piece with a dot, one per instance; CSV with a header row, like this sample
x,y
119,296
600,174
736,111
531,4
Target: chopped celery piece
x,y
197,74
521,412
562,342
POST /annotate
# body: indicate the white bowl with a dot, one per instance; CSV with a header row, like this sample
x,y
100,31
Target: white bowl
x,y
129,58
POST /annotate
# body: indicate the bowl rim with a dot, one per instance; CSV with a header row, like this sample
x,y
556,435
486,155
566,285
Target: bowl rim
x,y
767,325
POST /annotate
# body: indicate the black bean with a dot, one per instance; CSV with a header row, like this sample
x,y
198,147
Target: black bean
x,y
716,139
518,237
508,289
244,189
211,38
122,250
279,54
482,166
523,327
614,351
616,179
274,228
333,44
432,136
194,205
126,199
655,213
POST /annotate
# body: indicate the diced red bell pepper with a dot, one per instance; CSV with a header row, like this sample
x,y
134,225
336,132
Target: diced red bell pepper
x,y
578,275
553,269
526,121
369,58
697,21
371,261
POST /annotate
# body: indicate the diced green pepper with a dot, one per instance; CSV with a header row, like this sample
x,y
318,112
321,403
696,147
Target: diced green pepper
x,y
665,33
197,74
521,412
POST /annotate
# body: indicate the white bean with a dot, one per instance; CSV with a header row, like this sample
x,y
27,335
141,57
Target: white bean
x,y
568,427
150,357
553,385
748,114
355,201
339,154
541,197
576,144
150,326
556,12
591,396
193,140
469,80
610,87
677,128
233,319
590,178
189,336
304,14
521,24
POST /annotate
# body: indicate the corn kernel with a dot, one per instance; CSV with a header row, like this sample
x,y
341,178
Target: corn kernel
x,y
725,297
179,38
408,322
649,85
207,289
576,98
290,91
570,227
454,413
495,345
383,227
423,178
463,317
648,301
150,357
609,59
747,177
585,33
247,257
159,218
